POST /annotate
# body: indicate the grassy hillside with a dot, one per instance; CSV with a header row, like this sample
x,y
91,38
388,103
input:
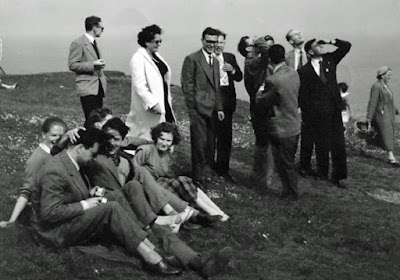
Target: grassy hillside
x,y
330,233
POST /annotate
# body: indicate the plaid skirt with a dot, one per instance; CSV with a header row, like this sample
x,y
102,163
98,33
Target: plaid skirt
x,y
182,186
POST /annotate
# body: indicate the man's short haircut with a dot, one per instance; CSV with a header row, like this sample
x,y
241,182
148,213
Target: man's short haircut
x,y
90,136
165,127
148,34
97,115
209,31
243,44
276,53
116,124
91,22
343,86
49,122
307,46
288,37
222,33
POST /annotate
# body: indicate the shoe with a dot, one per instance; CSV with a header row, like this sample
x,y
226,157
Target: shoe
x,y
217,263
205,220
322,177
339,184
393,162
176,224
191,226
228,177
305,172
364,154
162,268
224,218
173,261
289,196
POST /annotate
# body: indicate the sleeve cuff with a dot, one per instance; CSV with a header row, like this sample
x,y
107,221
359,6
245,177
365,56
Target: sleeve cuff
x,y
84,204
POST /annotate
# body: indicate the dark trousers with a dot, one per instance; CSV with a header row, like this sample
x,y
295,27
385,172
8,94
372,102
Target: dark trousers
x,y
202,137
169,241
108,219
223,139
263,161
92,102
329,138
307,141
284,151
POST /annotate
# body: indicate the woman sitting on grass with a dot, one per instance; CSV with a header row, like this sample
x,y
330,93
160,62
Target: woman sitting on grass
x,y
52,130
157,158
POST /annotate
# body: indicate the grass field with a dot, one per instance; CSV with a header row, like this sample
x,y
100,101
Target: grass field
x,y
329,233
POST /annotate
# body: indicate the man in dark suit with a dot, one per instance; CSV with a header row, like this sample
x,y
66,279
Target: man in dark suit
x,y
321,106
229,72
296,59
86,61
66,213
200,80
277,111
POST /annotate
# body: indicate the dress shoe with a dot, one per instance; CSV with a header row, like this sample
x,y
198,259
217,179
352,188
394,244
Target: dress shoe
x,y
173,261
228,177
305,172
339,184
217,263
394,162
289,196
204,219
191,226
162,268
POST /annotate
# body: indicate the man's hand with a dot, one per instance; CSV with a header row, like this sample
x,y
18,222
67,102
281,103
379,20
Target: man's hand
x,y
227,67
156,109
72,135
93,202
221,115
100,63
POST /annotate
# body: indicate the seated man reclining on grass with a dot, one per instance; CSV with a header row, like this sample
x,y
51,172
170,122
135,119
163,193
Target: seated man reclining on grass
x,y
170,242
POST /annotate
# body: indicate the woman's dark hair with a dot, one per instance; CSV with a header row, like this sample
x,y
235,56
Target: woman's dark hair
x,y
116,124
97,115
49,122
166,127
147,34
343,86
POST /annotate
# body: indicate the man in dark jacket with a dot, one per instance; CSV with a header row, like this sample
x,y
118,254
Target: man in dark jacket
x,y
277,114
321,106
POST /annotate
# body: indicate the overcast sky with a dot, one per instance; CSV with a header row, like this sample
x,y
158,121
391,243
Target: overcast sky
x,y
177,17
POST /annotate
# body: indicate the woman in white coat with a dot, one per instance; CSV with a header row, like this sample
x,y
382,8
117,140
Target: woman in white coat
x,y
151,101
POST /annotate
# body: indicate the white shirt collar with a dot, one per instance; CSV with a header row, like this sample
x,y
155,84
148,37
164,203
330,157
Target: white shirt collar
x,y
90,38
73,161
207,56
277,67
315,64
44,147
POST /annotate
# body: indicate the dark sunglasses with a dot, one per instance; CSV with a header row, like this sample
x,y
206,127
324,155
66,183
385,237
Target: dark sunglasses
x,y
211,42
157,41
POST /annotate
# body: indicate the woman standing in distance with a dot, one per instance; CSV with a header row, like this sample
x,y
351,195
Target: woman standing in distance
x,y
151,101
381,113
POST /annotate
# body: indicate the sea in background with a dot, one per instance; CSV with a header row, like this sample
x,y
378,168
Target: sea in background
x,y
28,55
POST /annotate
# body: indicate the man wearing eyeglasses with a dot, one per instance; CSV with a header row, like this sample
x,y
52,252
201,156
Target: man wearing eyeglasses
x,y
229,73
86,61
200,78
